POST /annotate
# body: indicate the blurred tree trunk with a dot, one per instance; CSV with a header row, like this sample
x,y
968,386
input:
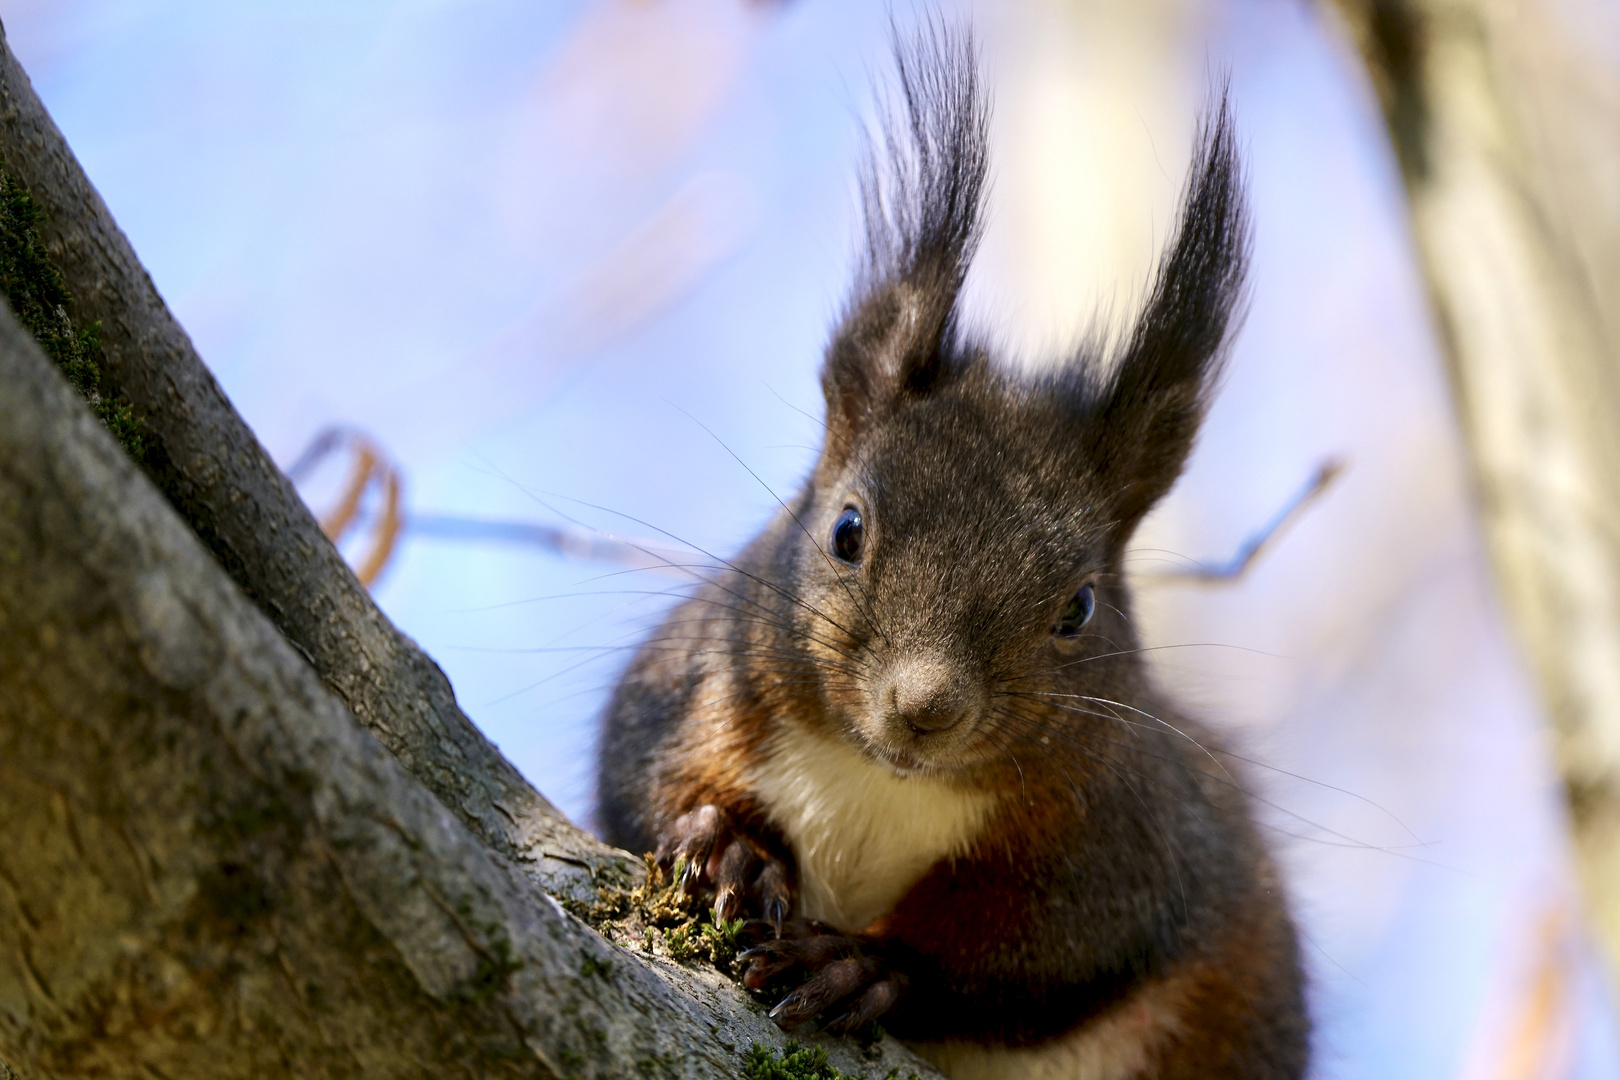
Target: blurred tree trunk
x,y
1506,124
247,830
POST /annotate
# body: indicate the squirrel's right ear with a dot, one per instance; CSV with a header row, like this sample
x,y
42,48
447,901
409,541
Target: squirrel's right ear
x,y
922,193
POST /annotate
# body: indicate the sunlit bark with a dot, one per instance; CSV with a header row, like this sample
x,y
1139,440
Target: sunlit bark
x,y
1506,123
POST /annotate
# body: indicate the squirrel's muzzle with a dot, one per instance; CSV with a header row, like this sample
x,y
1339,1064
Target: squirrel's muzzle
x,y
927,695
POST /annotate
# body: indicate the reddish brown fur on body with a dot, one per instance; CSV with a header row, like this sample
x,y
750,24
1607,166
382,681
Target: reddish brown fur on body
x,y
707,763
1232,995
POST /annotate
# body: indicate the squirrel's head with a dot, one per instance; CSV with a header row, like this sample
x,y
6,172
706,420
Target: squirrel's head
x,y
958,552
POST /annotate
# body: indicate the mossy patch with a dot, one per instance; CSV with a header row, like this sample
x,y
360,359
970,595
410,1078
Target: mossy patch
x,y
797,1063
657,917
39,297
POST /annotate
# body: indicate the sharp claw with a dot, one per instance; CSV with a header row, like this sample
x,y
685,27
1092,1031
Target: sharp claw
x,y
775,912
786,1003
757,950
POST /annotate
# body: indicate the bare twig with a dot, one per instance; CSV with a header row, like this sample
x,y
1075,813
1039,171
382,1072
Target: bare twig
x,y
1238,565
371,466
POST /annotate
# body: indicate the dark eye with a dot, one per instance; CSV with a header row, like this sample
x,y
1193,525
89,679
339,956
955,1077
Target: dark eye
x,y
849,535
1076,613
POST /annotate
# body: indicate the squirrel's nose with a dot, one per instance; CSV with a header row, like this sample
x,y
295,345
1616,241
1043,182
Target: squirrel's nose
x,y
927,694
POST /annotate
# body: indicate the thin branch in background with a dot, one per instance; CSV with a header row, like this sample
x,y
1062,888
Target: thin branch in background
x,y
1235,568
373,470
565,540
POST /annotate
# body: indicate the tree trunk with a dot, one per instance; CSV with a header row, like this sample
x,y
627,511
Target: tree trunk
x,y
210,868
1509,140
213,471
1508,135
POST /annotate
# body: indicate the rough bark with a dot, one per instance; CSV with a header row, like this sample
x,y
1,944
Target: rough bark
x,y
1507,129
211,468
210,870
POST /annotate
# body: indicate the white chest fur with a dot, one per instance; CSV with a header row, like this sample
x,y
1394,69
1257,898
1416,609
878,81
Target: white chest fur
x,y
860,834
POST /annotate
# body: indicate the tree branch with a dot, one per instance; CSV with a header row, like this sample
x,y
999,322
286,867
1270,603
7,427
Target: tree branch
x,y
211,468
210,870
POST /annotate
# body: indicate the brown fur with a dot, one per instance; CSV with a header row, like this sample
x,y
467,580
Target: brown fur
x,y
929,722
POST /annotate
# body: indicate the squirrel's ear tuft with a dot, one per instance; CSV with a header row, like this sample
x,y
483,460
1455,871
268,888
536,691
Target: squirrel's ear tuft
x,y
922,193
1144,421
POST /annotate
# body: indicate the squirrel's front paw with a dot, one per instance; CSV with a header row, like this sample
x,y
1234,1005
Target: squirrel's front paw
x,y
719,854
850,982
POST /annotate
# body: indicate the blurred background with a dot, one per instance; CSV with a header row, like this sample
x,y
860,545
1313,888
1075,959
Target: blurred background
x,y
502,281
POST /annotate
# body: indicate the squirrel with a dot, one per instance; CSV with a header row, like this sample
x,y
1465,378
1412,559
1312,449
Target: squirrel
x,y
909,731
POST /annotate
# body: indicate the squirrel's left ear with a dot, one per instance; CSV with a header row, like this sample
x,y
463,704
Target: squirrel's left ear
x,y
1142,423
922,192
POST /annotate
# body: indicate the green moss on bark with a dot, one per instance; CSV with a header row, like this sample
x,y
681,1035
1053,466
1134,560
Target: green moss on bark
x,y
39,297
658,917
797,1063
